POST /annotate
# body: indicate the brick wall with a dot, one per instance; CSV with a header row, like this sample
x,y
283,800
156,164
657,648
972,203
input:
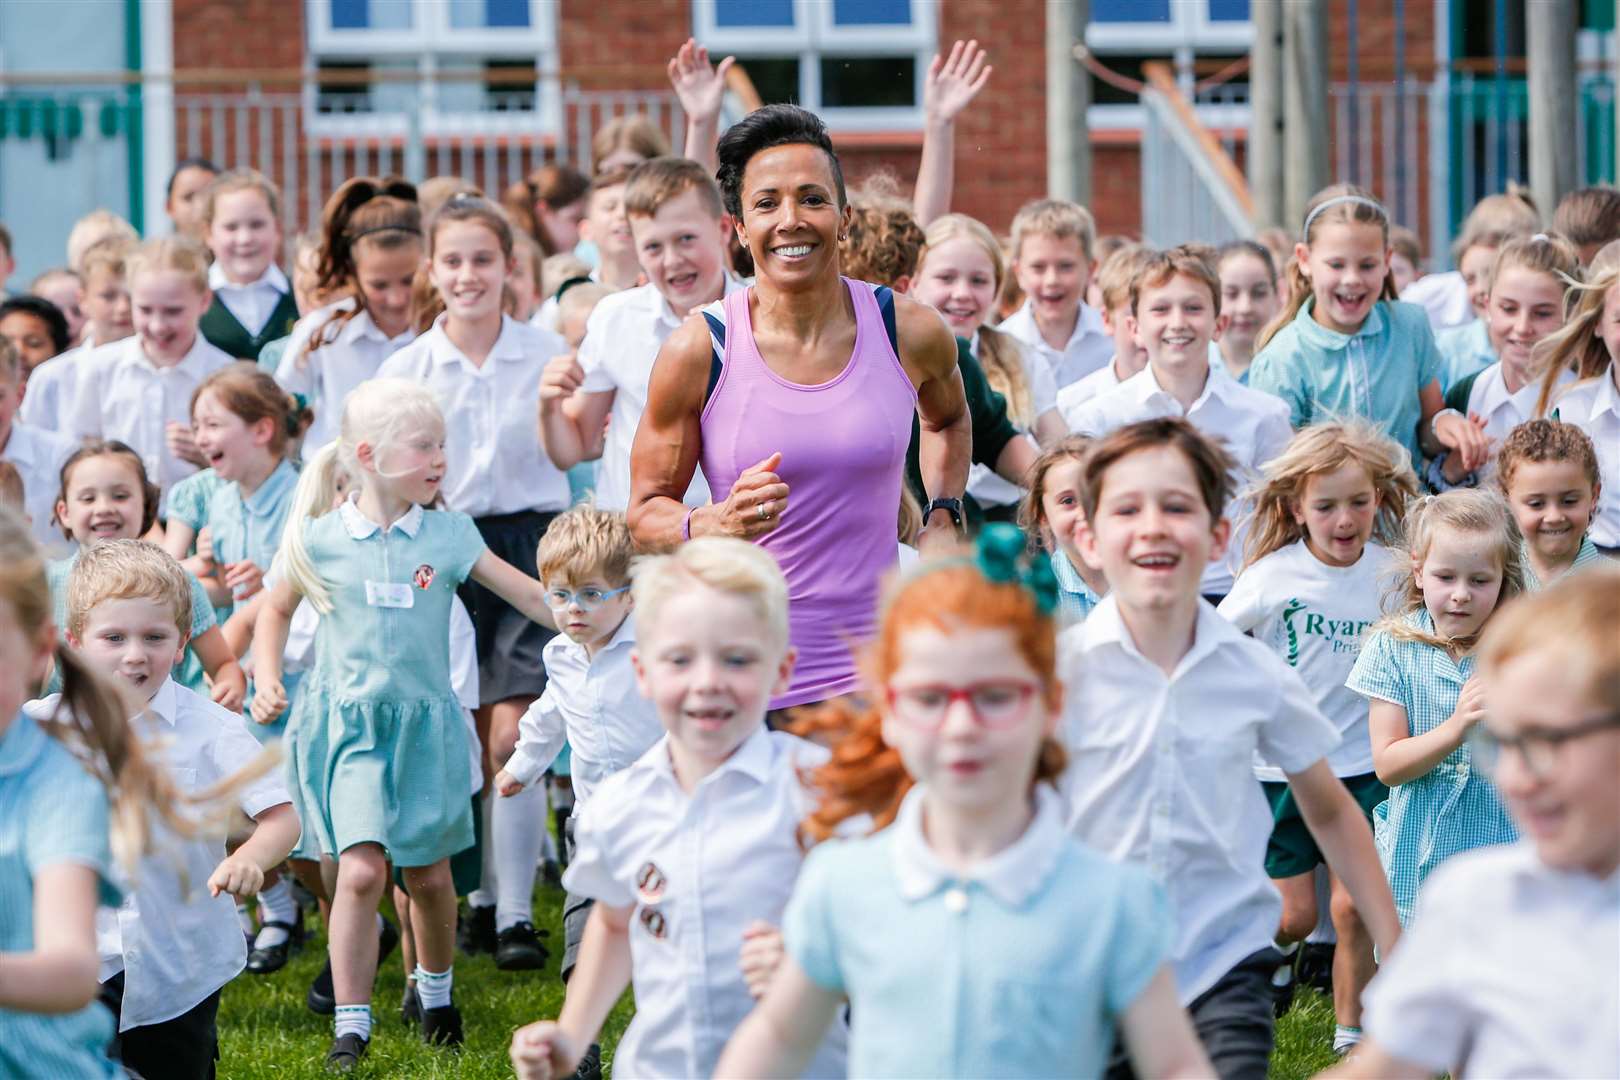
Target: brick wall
x,y
238,34
620,44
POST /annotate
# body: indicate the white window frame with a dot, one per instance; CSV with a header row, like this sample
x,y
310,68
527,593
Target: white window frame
x,y
814,34
429,40
1189,27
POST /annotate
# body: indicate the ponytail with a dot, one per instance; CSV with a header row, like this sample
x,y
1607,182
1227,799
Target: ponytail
x,y
363,208
317,487
1000,356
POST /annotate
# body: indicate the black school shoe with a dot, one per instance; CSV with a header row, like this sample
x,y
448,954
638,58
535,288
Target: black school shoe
x,y
590,1066
518,948
410,1007
475,931
442,1026
346,1052
320,999
272,958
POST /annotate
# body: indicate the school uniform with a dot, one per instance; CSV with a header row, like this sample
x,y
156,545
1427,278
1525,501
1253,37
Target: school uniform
x,y
1161,775
1444,299
622,337
695,870
500,476
52,390
984,484
347,352
243,319
1593,405
1464,351
38,456
173,945
1252,426
1586,555
52,813
1071,397
1089,347
123,395
189,499
1450,809
1076,599
1509,970
1485,394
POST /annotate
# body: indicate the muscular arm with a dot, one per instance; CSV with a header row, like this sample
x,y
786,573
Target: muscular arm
x,y
669,440
928,351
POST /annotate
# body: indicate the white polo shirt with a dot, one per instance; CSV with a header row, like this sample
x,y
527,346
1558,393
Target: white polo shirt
x,y
251,304
696,869
1594,407
38,457
174,943
123,395
1161,774
1088,348
492,418
1511,968
350,353
52,388
593,705
1253,426
622,339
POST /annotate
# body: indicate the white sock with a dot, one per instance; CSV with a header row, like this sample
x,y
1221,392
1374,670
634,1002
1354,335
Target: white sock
x,y
433,987
276,904
1345,1037
519,826
484,895
352,1020
246,917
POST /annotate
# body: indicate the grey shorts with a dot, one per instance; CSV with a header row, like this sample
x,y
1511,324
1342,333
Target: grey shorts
x,y
576,912
1233,1019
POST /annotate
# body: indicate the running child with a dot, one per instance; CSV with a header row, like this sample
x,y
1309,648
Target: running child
x,y
379,770
1250,300
253,302
1325,513
1416,670
605,233
1114,294
695,846
1049,514
1052,243
1549,472
1468,348
36,453
966,910
51,386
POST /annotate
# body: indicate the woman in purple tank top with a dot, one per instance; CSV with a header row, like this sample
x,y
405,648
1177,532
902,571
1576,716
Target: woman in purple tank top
x,y
792,397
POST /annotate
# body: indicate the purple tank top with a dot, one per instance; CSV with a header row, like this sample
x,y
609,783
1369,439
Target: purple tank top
x,y
843,446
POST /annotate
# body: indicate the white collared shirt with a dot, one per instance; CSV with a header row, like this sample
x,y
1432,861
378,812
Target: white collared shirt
x,y
696,869
1161,774
1088,348
358,526
1071,397
1252,425
622,339
38,457
52,389
350,353
1444,296
1502,410
1511,969
1594,407
1012,875
492,418
123,395
251,304
174,943
593,705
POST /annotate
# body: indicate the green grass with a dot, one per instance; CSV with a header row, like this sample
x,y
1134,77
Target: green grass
x,y
265,1030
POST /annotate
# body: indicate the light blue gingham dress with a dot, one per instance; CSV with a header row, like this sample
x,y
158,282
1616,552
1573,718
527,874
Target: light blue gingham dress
x,y
1586,556
1451,809
1075,597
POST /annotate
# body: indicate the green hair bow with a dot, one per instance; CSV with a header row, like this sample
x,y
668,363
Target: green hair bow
x,y
1002,555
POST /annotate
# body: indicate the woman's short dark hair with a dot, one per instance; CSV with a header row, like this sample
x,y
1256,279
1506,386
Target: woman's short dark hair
x,y
190,163
762,129
56,323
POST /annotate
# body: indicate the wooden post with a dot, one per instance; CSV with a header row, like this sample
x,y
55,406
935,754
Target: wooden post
x,y
1305,104
1068,94
1265,149
1550,45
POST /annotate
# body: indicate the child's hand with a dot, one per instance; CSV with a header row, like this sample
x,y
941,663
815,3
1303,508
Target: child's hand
x,y
1466,437
541,1051
507,784
760,957
954,81
229,687
205,544
700,86
1470,708
560,378
269,702
177,437
237,875
243,579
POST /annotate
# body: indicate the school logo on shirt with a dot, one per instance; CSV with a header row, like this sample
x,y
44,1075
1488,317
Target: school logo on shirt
x,y
652,920
1343,635
650,884
423,576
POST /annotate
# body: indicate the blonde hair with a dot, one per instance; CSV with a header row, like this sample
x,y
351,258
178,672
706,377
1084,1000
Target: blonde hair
x,y
108,254
1496,219
658,180
380,413
1543,253
127,570
1350,205
240,180
1184,260
558,268
1577,346
1119,272
580,300
1479,511
999,354
586,541
1578,616
1054,217
94,228
1589,215
179,254
721,563
633,132
1316,451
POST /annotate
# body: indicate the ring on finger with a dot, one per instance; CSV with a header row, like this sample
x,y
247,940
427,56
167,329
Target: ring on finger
x,y
764,510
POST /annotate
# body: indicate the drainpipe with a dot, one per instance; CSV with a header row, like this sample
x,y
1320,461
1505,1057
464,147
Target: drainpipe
x,y
1068,94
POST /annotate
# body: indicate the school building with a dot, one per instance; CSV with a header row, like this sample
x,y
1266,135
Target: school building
x,y
98,98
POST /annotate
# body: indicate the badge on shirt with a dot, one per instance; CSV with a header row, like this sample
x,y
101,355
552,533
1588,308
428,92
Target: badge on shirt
x,y
423,576
389,594
652,920
650,883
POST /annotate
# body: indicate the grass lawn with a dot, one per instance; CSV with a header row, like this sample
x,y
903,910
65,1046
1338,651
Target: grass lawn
x,y
265,1030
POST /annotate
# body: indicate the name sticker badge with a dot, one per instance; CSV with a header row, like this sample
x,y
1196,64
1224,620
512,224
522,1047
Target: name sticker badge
x,y
389,594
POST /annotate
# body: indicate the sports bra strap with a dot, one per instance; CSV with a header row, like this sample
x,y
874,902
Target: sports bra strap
x,y
885,300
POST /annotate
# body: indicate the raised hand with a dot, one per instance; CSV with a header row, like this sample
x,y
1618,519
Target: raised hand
x,y
954,81
700,86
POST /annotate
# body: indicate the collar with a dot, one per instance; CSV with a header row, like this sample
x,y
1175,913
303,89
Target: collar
x,y
1106,626
1012,875
360,527
165,704
272,492
1069,579
1315,334
1607,397
1089,322
623,636
272,278
442,351
1494,394
190,363
1527,870
22,742
752,758
669,317
362,325
1145,386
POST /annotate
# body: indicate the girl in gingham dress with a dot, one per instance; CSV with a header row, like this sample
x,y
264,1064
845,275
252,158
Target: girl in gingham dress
x,y
1417,672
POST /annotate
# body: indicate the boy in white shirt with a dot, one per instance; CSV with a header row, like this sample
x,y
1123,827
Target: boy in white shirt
x,y
175,941
680,230
696,843
36,454
1175,314
1052,242
1168,705
1512,965
1114,280
51,386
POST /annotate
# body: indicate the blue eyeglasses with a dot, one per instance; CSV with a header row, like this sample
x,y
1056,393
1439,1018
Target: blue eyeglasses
x,y
588,598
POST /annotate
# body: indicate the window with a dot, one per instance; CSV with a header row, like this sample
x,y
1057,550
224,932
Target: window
x,y
445,64
1163,25
859,64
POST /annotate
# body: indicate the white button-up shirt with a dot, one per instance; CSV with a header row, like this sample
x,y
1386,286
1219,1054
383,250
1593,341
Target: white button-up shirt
x,y
696,869
593,705
251,304
1161,774
1253,426
1511,969
1071,397
350,353
1594,407
52,390
38,456
492,418
123,395
1501,409
174,943
622,339
1088,348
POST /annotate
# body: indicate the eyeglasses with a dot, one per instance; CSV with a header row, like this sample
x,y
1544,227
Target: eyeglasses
x,y
588,598
1537,749
995,703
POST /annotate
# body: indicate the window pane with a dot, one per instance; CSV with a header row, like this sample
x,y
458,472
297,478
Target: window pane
x,y
1130,11
371,14
775,77
343,86
868,82
483,14
872,12
753,12
1228,10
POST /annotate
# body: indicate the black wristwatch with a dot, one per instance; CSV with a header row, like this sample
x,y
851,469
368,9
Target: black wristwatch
x,y
952,507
